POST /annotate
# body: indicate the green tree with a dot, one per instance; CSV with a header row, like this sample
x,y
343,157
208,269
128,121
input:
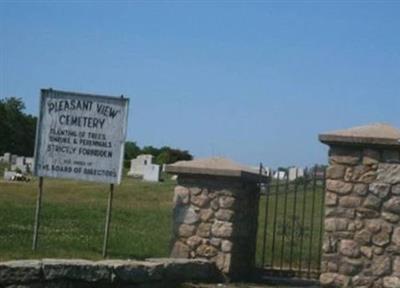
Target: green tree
x,y
17,129
163,158
170,155
163,155
132,150
4,129
150,150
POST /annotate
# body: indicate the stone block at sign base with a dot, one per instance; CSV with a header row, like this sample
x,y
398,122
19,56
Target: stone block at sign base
x,y
76,270
189,269
134,271
20,271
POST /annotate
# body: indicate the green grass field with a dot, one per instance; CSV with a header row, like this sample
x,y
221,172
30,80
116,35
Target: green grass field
x,y
73,216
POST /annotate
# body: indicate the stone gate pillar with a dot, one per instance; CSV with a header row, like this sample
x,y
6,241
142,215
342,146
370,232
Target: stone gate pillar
x,y
215,214
361,245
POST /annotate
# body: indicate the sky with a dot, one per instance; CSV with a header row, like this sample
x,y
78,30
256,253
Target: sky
x,y
254,81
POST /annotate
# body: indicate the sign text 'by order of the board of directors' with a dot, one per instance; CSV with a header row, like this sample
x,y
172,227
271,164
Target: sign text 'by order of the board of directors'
x,y
80,136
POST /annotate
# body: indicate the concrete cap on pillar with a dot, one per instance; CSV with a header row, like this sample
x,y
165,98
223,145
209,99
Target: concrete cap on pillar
x,y
215,167
378,134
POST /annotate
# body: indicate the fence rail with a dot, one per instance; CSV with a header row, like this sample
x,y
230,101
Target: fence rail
x,y
291,224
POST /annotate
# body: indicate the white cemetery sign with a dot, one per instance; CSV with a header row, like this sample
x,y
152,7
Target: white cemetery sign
x,y
80,136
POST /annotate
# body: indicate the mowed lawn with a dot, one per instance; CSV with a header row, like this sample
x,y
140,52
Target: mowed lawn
x,y
73,217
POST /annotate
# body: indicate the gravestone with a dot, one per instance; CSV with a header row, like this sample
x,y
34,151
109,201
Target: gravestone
x,y
295,172
142,166
20,164
10,175
29,163
7,158
13,159
20,161
151,173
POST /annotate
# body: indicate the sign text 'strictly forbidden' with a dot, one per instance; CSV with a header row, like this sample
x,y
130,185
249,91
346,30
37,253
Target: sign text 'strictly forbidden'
x,y
80,136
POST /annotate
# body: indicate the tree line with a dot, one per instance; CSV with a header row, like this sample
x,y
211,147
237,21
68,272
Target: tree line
x,y
18,131
163,155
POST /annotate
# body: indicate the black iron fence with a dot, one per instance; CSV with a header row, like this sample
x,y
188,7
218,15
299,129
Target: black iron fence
x,y
291,216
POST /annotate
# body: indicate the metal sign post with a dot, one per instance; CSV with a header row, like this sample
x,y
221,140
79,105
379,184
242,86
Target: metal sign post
x,y
108,220
37,214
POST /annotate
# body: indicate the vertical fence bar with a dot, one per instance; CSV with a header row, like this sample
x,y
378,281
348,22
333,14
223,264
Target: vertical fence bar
x,y
259,184
293,221
37,215
267,190
275,216
321,227
303,220
284,220
312,223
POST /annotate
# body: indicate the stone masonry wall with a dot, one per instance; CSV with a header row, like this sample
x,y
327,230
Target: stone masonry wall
x,y
362,229
216,218
65,273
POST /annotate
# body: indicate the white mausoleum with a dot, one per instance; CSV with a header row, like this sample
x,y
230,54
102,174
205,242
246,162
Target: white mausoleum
x,y
142,167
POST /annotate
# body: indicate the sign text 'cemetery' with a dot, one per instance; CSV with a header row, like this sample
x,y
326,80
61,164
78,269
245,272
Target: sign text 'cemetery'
x,y
81,136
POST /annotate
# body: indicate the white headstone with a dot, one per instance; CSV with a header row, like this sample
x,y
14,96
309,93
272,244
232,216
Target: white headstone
x,y
7,157
151,173
279,175
20,161
295,172
10,175
13,159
